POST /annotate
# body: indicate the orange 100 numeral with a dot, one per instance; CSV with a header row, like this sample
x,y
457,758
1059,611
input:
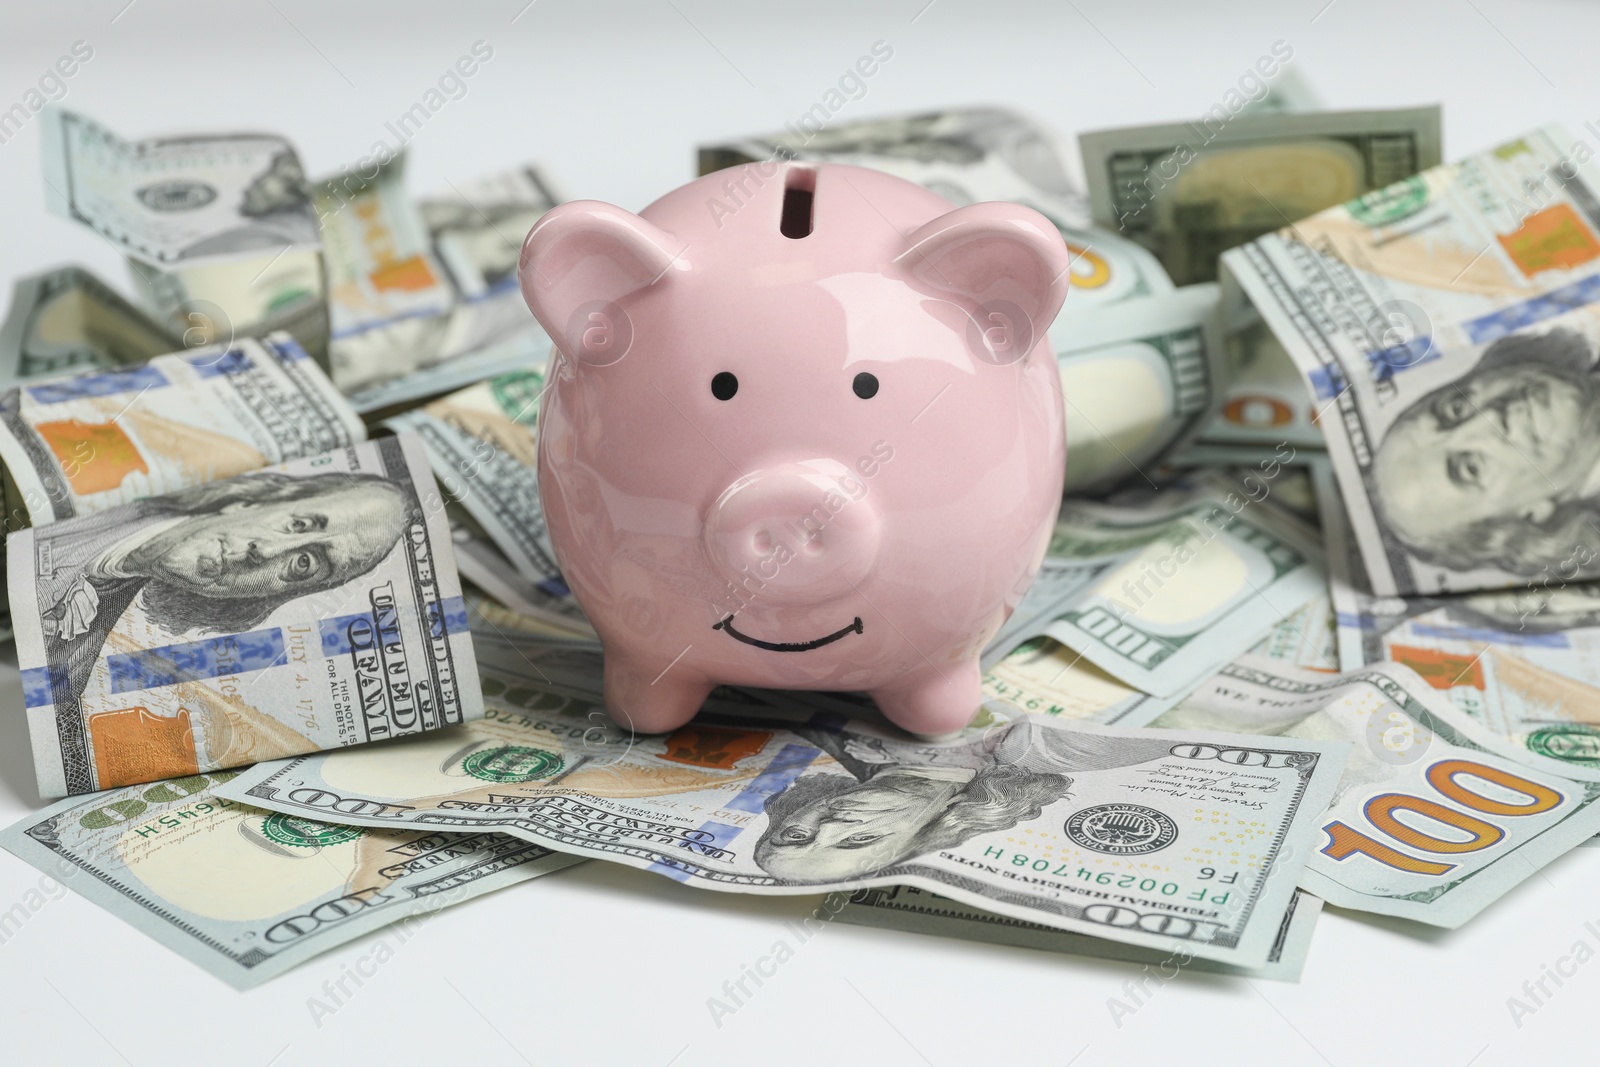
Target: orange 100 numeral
x,y
1345,841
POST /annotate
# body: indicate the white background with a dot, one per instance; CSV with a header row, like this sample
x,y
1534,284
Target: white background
x,y
602,964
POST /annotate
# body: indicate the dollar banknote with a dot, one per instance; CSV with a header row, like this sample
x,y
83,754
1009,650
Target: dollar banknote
x,y
482,443
904,907
1435,817
1447,326
389,300
1161,593
218,229
1189,191
248,894
1149,838
303,606
81,444
965,154
66,320
1139,379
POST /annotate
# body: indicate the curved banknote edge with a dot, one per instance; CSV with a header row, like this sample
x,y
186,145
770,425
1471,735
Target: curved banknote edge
x,y
1139,379
1138,836
1435,817
247,894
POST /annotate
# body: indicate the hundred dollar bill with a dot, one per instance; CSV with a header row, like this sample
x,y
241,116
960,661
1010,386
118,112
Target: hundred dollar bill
x,y
218,229
248,894
93,441
1447,326
904,907
303,606
1189,191
1098,830
66,320
388,298
1435,817
1161,593
482,444
1139,378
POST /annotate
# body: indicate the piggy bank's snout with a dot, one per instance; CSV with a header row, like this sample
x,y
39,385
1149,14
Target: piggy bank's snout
x,y
801,531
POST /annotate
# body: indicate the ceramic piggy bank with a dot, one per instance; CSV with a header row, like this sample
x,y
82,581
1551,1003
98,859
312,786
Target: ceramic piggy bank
x,y
802,430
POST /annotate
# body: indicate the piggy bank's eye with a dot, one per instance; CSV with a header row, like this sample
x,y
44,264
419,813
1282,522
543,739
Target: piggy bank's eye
x,y
865,385
724,385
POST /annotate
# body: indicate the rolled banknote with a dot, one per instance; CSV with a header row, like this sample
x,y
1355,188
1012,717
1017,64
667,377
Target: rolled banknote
x,y
304,606
1139,378
219,229
248,894
94,441
1149,838
1189,191
1435,817
389,301
904,907
1447,327
1163,592
66,320
483,445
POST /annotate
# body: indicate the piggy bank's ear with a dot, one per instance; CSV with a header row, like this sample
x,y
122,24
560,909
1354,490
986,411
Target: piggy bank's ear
x,y
579,263
1005,263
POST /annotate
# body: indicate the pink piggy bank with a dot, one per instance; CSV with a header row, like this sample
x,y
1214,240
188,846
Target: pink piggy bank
x,y
803,430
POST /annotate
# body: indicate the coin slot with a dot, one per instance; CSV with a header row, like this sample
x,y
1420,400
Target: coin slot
x,y
799,194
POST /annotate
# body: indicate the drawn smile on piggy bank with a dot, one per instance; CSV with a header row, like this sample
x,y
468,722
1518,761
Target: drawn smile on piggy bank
x,y
726,626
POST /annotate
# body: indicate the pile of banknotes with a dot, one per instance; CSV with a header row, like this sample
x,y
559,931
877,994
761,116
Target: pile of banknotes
x,y
1318,623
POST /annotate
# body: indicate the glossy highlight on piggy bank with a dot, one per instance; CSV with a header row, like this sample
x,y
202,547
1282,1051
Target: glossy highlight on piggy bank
x,y
802,430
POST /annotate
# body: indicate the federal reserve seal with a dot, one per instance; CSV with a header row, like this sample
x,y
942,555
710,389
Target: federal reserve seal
x,y
1122,829
511,763
306,833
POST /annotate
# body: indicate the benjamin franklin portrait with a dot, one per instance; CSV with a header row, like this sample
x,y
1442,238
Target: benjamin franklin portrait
x,y
832,828
1501,468
215,558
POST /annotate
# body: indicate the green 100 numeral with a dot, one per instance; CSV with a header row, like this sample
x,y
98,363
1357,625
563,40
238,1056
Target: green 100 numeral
x,y
1346,841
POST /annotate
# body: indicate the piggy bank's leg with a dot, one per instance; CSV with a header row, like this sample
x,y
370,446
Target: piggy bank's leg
x,y
933,704
652,702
